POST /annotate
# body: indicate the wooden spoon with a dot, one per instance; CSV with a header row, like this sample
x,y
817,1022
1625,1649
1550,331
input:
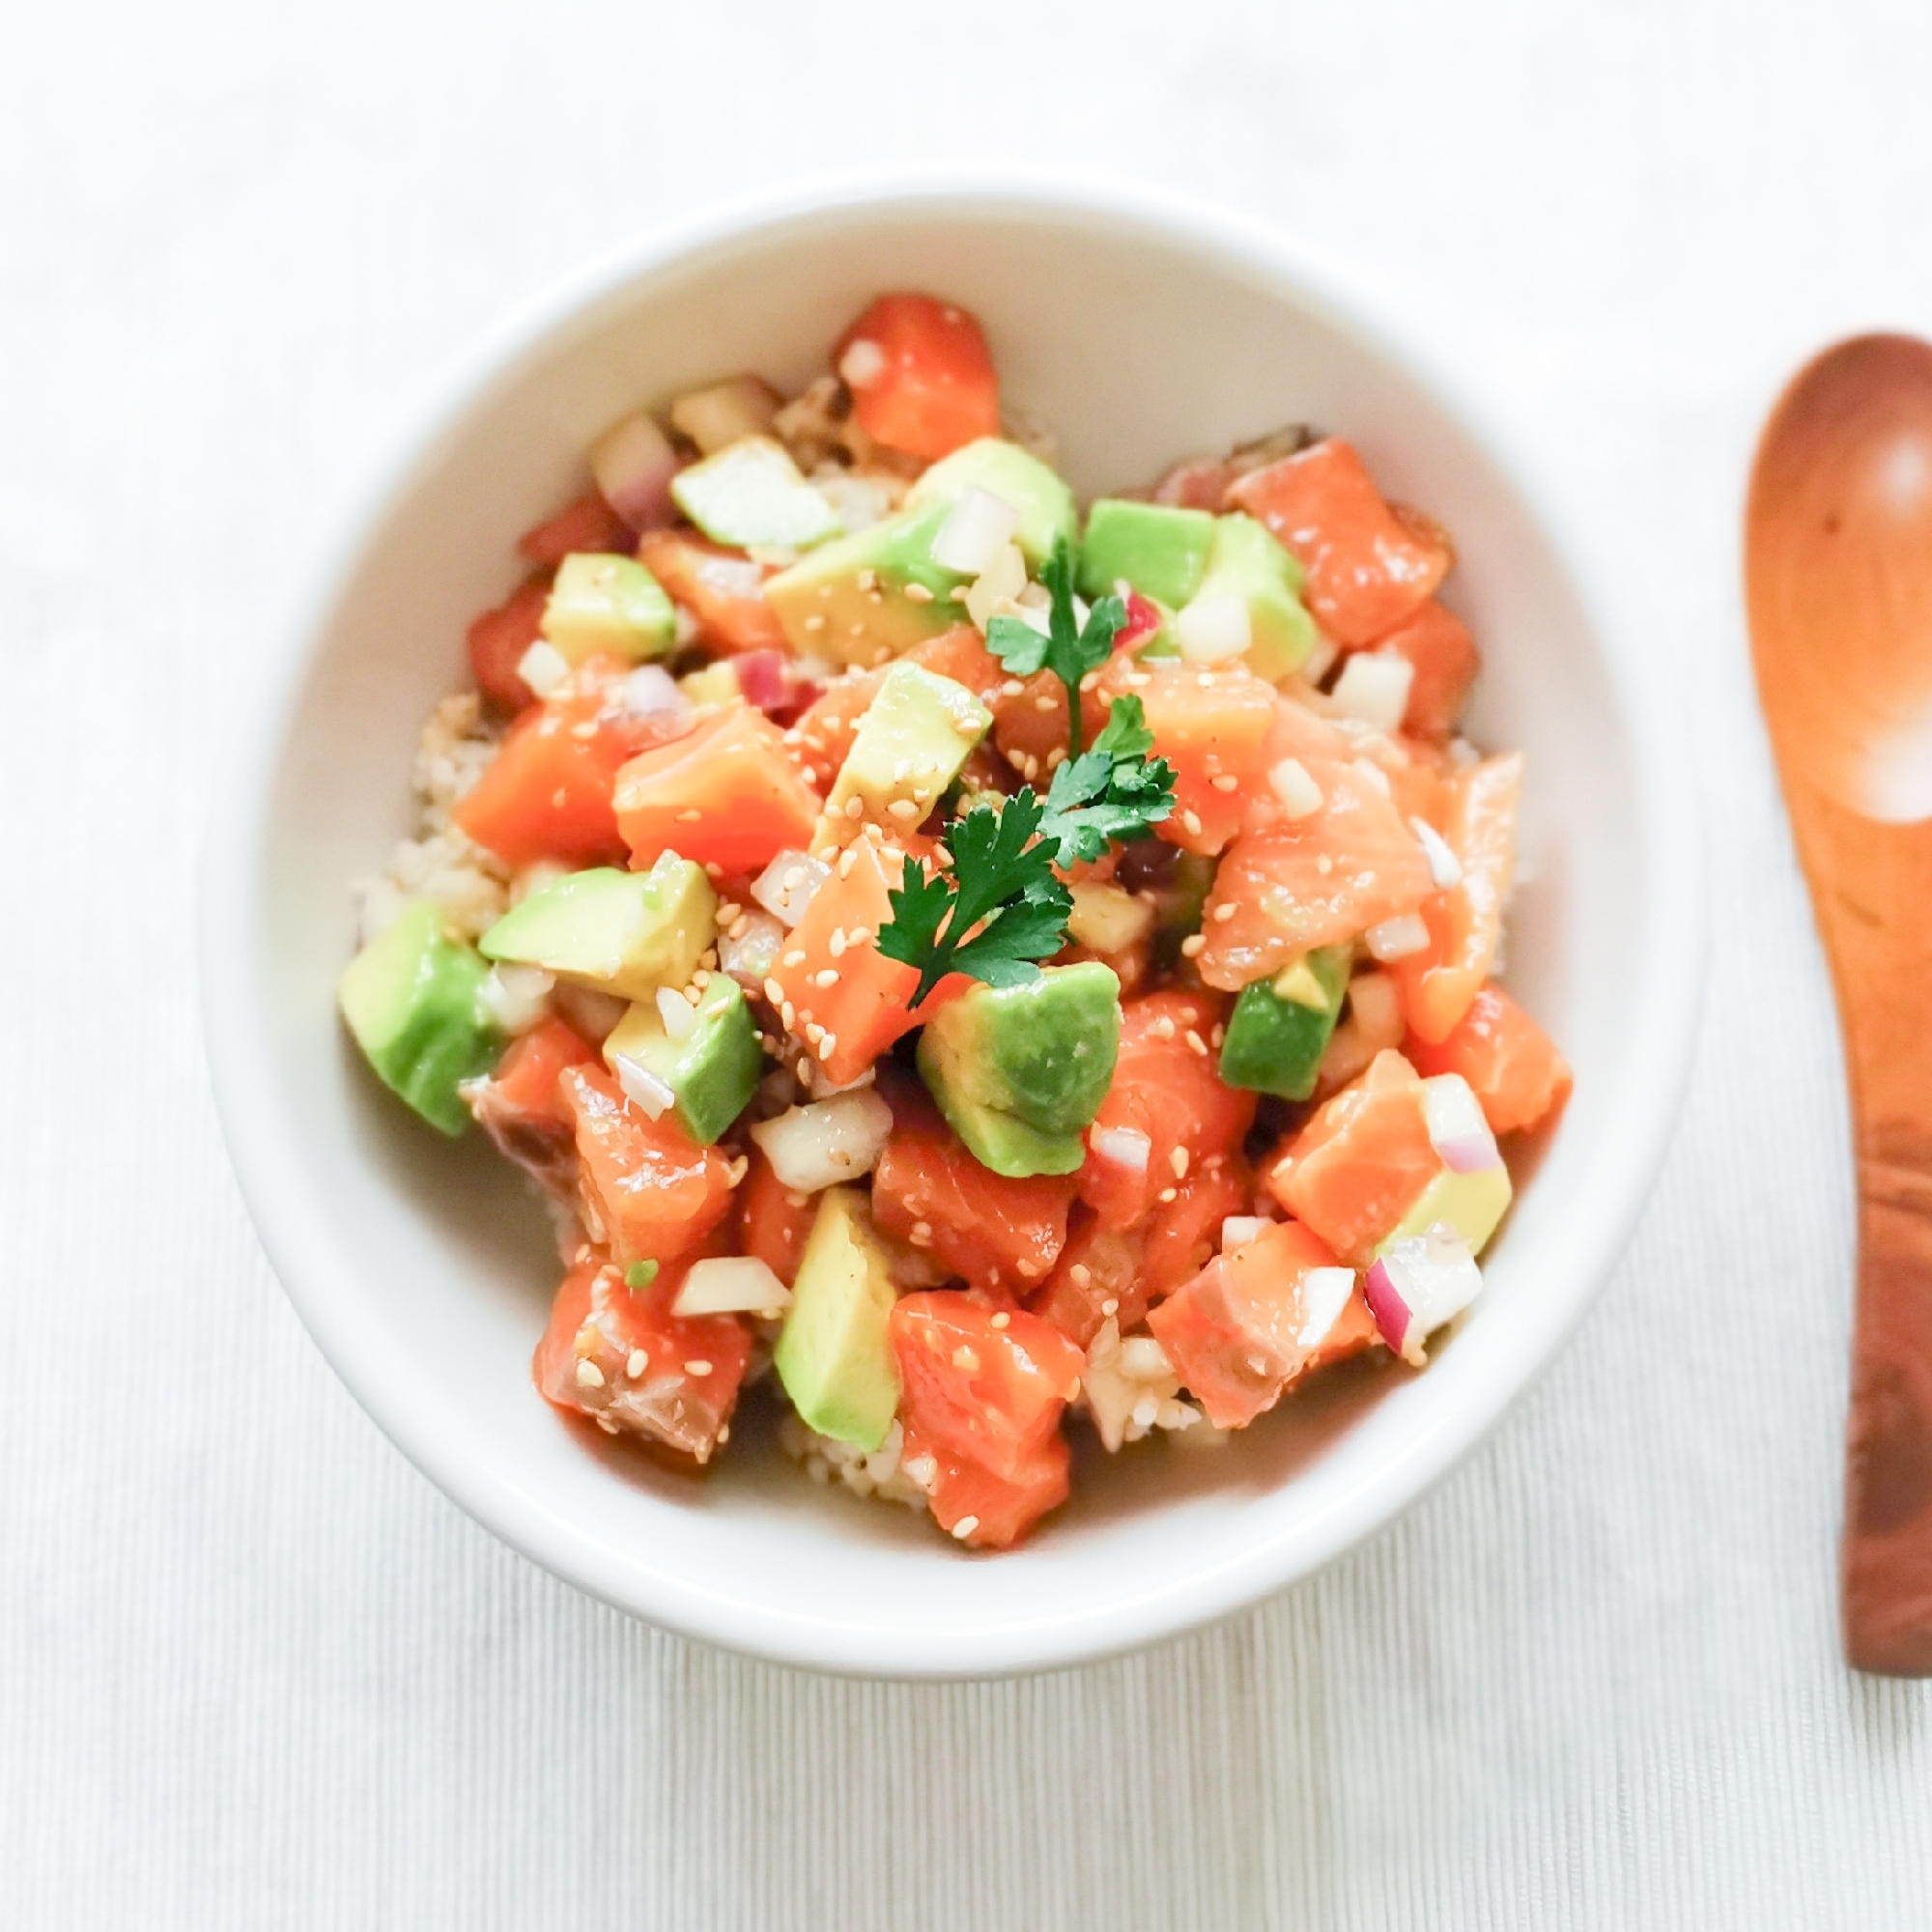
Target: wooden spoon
x,y
1839,585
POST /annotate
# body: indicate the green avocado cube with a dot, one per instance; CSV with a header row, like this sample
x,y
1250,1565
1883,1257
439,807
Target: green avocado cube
x,y
1248,563
870,596
1161,550
609,605
710,1068
411,999
1472,1205
1019,479
624,933
834,1356
1281,1026
1020,1072
910,744
750,493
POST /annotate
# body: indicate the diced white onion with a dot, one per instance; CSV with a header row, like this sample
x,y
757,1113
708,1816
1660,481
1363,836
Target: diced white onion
x,y
678,1014
516,997
831,1141
1446,869
1374,686
1418,1286
1374,1007
862,364
822,1089
1122,1147
1239,1230
1295,787
722,414
729,1285
1144,1358
786,901
1212,627
650,691
1456,1128
633,462
643,1088
544,667
999,583
750,958
976,530
1398,938
1324,1294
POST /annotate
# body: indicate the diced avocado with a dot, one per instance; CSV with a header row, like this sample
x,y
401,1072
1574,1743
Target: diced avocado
x,y
834,1355
626,933
1020,1072
712,684
1247,562
750,493
1178,904
1472,1205
1108,919
609,605
411,999
711,1070
1280,1026
909,747
1161,550
870,596
1019,479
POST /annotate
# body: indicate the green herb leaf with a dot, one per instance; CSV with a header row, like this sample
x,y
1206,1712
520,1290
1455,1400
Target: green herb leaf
x,y
640,1275
1111,792
1067,648
997,911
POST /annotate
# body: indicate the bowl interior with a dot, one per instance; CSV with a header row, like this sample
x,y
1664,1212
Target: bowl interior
x,y
424,1269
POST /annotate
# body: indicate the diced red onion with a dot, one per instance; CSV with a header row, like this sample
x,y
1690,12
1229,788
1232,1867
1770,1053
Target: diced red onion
x,y
829,1142
975,532
1374,686
730,1285
1398,938
765,678
1324,1294
1143,618
1122,1147
1418,1286
633,462
784,888
1456,1128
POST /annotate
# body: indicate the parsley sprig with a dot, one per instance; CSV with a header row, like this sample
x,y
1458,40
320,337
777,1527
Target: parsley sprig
x,y
997,911
1067,648
1113,793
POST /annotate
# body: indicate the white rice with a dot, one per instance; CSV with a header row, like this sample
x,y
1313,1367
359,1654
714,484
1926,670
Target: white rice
x,y
880,1474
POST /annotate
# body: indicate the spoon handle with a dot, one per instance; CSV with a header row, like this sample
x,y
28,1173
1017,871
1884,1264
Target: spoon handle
x,y
1871,888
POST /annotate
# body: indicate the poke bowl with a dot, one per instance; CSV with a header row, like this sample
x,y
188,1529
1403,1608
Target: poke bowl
x,y
935,1064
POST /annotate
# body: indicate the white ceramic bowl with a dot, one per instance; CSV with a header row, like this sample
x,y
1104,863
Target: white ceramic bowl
x,y
1139,332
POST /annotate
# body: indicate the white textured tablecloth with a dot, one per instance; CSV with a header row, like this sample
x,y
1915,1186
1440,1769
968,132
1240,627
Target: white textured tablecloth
x,y
254,1671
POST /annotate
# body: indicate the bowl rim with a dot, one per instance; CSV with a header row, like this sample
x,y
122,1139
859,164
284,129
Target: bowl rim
x,y
275,1189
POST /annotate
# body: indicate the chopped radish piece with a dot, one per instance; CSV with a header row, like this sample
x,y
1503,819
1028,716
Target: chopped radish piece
x,y
976,530
819,1145
730,1285
544,668
1418,1286
1300,796
643,1088
1374,688
1456,1128
1122,1147
1237,1229
1446,869
724,413
784,888
633,462
1214,628
1324,1294
1400,938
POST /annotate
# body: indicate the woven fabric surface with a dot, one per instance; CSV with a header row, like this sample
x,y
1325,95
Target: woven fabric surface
x,y
254,1669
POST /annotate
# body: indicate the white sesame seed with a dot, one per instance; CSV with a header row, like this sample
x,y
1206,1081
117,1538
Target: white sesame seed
x,y
1196,1043
589,1376
826,977
1224,912
1029,1269
774,992
1191,945
1324,864
836,945
858,935
1110,1306
813,1032
698,1368
855,807
916,593
1190,823
1163,1028
689,817
795,957
1080,1274
1166,1195
1045,703
1002,1318
905,808
1226,782
922,1235
828,1045
964,1357
1012,688
847,859
964,1527
1178,1160
637,1363
789,1016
